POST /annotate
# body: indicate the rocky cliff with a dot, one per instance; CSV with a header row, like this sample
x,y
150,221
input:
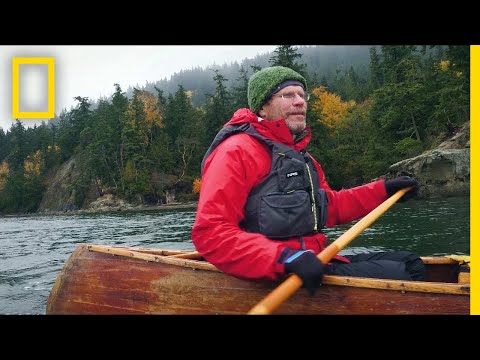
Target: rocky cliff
x,y
60,195
441,172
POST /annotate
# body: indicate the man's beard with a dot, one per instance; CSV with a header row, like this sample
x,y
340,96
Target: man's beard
x,y
296,126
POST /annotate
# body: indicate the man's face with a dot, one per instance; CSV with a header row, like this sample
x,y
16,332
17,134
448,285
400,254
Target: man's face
x,y
289,104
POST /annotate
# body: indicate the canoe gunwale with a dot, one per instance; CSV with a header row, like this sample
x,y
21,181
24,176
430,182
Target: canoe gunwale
x,y
160,258
173,257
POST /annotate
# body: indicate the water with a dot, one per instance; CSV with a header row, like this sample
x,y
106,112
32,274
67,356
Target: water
x,y
33,249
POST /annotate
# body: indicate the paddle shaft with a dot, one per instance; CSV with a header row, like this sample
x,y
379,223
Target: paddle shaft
x,y
286,289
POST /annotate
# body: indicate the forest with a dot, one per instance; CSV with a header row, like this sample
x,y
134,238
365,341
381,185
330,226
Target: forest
x,y
370,107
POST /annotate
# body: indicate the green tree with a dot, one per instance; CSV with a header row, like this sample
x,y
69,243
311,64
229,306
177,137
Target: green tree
x,y
394,64
239,93
115,124
177,113
17,146
161,152
3,145
218,108
72,124
134,149
102,151
398,109
450,98
21,194
459,56
286,55
376,71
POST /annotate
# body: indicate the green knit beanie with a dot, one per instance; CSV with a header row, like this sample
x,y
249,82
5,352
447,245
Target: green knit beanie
x,y
263,83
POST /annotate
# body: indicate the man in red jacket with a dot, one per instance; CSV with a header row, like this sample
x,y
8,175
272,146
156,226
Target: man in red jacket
x,y
264,200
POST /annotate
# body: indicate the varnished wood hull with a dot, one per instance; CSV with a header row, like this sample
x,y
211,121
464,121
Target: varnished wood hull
x,y
93,282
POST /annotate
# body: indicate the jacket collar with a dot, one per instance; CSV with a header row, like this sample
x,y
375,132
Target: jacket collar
x,y
275,130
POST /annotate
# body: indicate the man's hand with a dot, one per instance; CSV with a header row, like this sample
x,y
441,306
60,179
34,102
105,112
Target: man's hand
x,y
308,267
392,186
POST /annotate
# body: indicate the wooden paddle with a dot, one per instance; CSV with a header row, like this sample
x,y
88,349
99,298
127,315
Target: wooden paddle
x,y
286,289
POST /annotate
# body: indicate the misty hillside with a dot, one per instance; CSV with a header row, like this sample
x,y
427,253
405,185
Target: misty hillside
x,y
323,62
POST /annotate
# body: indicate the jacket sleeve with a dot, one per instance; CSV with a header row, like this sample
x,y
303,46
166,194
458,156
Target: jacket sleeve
x,y
230,172
347,205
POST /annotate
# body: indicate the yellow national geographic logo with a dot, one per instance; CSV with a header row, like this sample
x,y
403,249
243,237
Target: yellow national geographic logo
x,y
16,113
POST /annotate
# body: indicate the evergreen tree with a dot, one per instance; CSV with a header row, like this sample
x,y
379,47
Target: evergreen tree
x,y
161,152
218,108
116,123
80,116
394,62
286,55
102,152
239,93
376,71
72,124
17,146
3,145
134,149
176,115
459,56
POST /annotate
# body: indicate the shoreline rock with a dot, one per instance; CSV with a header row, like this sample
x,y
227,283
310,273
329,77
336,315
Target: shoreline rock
x,y
113,209
128,207
441,172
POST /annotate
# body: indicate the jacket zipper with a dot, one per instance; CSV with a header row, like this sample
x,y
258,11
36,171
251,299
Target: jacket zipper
x,y
314,207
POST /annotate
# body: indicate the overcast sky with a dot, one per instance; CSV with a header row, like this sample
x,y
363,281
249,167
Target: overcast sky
x,y
91,71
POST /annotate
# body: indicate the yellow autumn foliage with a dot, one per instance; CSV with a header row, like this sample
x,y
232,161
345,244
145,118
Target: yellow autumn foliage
x,y
329,107
53,148
443,65
4,171
197,183
153,116
152,113
32,166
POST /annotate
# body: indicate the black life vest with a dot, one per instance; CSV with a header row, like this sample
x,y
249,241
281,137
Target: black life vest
x,y
289,201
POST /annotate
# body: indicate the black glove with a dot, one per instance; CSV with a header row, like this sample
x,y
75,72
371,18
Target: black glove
x,y
392,186
308,267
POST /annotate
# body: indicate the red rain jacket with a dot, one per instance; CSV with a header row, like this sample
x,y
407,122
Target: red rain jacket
x,y
231,171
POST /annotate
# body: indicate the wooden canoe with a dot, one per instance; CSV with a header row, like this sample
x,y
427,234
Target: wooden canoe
x,y
120,280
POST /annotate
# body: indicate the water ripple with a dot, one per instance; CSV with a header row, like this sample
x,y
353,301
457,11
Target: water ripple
x,y
33,249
